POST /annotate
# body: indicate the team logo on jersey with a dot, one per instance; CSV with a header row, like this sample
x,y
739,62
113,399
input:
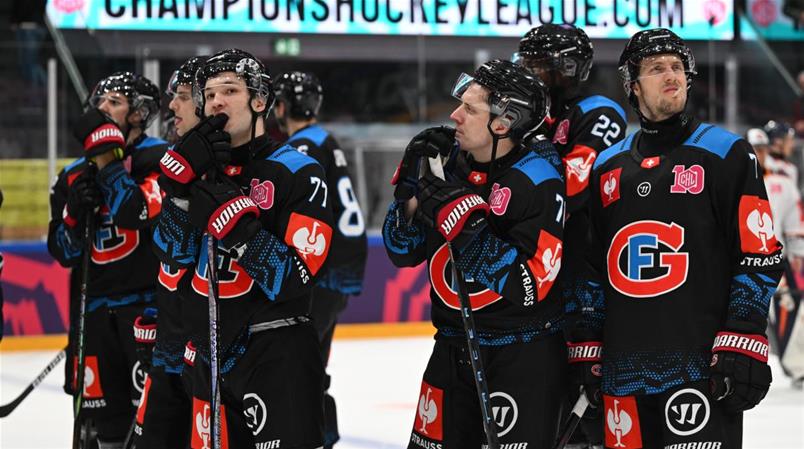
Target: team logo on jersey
x,y
202,426
644,259
562,132
112,243
311,238
577,167
622,422
499,199
169,277
686,412
546,263
688,180
440,270
756,226
143,401
92,383
504,412
610,186
255,412
429,421
233,281
262,193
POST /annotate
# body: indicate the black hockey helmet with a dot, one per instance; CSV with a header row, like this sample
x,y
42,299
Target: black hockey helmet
x,y
141,93
652,42
515,95
185,74
301,92
563,48
245,66
778,130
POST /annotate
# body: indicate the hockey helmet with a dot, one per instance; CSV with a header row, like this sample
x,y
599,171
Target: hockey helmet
x,y
185,74
301,92
245,66
649,43
515,94
756,136
778,130
141,93
563,48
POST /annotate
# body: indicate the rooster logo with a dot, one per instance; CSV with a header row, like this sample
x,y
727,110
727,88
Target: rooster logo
x,y
619,423
581,168
202,426
761,225
428,410
89,380
309,242
610,186
551,260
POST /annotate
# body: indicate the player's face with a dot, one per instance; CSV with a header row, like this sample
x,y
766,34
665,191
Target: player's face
x,y
542,68
227,93
115,105
183,108
661,87
471,118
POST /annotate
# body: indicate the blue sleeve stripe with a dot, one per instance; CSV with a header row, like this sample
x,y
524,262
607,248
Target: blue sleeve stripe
x,y
599,101
713,139
150,142
73,164
290,158
614,150
313,133
537,169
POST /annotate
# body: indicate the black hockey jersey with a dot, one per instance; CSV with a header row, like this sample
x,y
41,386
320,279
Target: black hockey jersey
x,y
123,268
271,276
346,263
511,266
684,242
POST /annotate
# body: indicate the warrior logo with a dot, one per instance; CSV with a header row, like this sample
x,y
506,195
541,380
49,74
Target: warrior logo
x,y
499,198
644,259
610,186
445,287
138,377
578,166
255,412
504,410
428,415
262,193
689,180
756,226
683,414
622,422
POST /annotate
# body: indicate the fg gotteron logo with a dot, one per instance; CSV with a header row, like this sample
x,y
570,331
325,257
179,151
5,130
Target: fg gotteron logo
x,y
756,226
644,260
440,270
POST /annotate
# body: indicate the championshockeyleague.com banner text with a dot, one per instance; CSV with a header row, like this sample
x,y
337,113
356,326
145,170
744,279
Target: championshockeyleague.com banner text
x,y
614,19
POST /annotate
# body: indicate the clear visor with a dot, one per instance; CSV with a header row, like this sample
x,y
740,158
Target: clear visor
x,y
478,98
100,95
173,84
661,65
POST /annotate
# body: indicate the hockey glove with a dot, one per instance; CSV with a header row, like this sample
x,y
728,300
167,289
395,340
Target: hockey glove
x,y
99,134
432,142
84,196
145,337
458,213
222,210
203,147
585,369
740,376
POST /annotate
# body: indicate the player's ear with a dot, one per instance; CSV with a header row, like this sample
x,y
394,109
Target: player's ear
x,y
636,87
258,103
501,125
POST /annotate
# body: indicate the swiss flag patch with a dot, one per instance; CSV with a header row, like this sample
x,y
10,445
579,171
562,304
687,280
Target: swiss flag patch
x,y
622,422
578,166
202,426
610,186
429,421
756,226
92,383
546,263
311,238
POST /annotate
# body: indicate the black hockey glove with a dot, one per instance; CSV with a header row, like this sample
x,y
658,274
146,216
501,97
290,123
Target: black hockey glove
x,y
740,376
145,337
84,196
99,134
436,141
221,209
458,213
203,147
585,369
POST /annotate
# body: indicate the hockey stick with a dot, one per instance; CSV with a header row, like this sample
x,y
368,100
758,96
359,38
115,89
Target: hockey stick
x,y
437,169
78,391
215,372
6,409
574,419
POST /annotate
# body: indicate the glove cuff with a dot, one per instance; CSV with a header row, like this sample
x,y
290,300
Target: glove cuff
x,y
176,167
585,351
453,216
144,333
754,346
225,218
107,135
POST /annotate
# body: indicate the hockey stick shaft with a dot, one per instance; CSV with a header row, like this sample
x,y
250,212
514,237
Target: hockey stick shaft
x,y
574,419
6,409
437,169
78,391
212,284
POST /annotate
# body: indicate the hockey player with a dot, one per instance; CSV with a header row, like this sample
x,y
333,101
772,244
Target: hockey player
x,y
508,247
163,415
580,127
782,138
688,262
114,184
267,209
787,318
298,99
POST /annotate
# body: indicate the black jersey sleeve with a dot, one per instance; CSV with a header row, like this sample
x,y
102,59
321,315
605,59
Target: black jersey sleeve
x,y
404,241
63,243
176,241
522,269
